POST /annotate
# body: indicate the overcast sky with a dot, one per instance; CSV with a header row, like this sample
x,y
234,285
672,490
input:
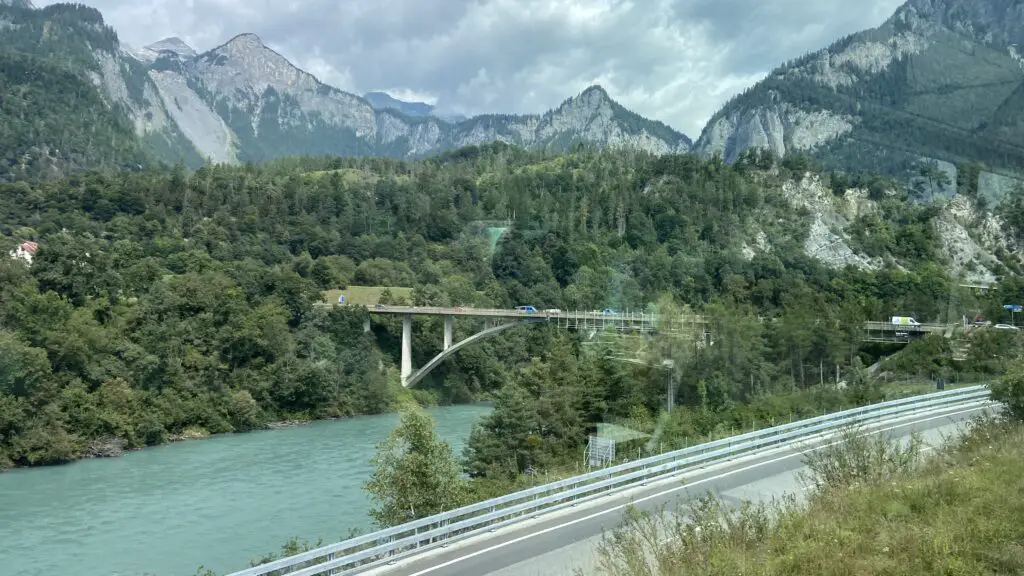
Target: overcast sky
x,y
672,60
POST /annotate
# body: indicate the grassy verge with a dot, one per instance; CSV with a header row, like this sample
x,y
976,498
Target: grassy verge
x,y
873,508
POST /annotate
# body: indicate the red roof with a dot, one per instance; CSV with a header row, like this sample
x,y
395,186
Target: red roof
x,y
30,247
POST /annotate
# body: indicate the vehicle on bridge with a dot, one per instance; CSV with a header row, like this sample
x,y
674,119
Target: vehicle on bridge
x,y
527,309
904,321
552,311
608,312
1005,327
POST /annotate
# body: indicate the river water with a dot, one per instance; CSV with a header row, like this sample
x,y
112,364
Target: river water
x,y
219,502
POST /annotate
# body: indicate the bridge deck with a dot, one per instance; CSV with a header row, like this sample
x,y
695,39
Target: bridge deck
x,y
577,318
598,315
506,313
889,327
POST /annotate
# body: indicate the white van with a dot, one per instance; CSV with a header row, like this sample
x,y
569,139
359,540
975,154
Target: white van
x,y
904,321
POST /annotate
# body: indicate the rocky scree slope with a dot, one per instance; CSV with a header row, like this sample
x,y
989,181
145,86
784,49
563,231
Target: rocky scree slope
x,y
941,79
973,244
242,101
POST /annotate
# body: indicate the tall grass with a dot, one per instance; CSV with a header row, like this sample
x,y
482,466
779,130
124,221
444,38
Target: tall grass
x,y
872,508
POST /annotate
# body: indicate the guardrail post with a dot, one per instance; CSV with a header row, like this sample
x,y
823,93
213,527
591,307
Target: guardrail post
x,y
492,529
391,553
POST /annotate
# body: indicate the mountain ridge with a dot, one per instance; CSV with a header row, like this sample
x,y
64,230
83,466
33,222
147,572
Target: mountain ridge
x,y
242,101
935,82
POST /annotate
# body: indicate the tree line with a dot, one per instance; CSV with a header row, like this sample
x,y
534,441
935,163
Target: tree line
x,y
167,303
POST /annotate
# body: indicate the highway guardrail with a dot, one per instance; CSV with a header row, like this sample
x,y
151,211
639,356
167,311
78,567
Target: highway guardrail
x,y
391,544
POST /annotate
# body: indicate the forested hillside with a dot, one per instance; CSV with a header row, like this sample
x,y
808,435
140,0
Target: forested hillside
x,y
52,118
163,303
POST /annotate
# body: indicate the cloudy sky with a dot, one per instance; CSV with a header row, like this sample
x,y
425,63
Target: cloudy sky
x,y
673,60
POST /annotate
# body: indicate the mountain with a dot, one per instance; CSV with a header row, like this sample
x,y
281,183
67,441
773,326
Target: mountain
x,y
384,101
244,102
172,46
940,79
268,108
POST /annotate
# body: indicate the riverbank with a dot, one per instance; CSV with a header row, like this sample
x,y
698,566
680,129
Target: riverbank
x,y
958,512
686,427
110,446
115,446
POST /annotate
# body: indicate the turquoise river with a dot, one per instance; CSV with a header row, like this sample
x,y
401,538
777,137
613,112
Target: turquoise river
x,y
218,502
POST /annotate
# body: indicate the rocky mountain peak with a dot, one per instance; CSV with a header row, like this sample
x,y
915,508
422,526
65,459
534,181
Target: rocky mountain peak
x,y
243,41
175,45
595,91
591,100
245,64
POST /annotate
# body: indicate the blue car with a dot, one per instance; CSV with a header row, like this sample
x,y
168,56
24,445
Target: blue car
x,y
528,309
608,312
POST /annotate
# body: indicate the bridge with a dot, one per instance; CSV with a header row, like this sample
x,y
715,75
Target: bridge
x,y
501,319
902,334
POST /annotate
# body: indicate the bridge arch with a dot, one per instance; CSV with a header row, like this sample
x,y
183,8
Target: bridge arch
x,y
485,333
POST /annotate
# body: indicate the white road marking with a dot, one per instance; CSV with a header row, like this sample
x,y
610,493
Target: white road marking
x,y
664,492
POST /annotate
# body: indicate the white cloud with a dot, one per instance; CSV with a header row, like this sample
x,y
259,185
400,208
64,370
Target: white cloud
x,y
672,60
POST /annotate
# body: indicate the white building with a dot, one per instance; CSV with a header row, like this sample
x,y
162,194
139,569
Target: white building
x,y
25,251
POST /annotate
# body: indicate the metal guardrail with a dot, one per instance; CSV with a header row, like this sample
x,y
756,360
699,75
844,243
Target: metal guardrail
x,y
442,529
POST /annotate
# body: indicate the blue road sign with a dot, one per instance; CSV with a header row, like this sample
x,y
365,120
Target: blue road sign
x,y
1012,307
341,299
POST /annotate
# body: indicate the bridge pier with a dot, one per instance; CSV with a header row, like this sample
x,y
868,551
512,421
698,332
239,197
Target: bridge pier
x,y
448,332
366,325
406,347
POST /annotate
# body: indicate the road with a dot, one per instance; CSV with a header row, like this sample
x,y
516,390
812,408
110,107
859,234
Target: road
x,y
557,543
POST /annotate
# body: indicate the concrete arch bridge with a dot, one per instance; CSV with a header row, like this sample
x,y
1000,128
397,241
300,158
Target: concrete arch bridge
x,y
629,322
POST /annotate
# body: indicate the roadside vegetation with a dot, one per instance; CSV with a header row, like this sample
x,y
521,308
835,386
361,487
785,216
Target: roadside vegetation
x,y
873,507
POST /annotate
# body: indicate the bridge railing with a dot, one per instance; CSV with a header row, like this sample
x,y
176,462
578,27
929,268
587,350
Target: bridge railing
x,y
627,315
442,529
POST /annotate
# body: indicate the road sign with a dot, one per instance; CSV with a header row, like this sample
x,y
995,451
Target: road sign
x,y
1012,307
600,451
341,299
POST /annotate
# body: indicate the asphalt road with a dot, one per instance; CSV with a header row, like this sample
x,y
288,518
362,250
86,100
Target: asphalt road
x,y
557,543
